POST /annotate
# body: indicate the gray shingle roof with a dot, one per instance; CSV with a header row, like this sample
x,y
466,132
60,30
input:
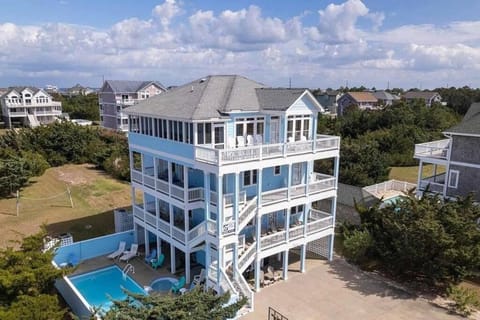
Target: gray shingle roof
x,y
384,95
420,94
214,96
277,98
470,123
128,86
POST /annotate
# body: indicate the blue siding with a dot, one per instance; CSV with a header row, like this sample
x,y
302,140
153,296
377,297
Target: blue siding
x,y
271,181
163,145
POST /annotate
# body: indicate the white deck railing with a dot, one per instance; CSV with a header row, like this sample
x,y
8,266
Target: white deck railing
x,y
320,224
436,149
273,239
295,232
163,226
266,151
197,231
178,234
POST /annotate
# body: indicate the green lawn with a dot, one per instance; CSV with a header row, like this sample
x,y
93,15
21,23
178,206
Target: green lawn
x,y
45,201
410,174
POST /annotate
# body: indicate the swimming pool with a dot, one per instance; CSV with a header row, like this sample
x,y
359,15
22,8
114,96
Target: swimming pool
x,y
96,286
163,284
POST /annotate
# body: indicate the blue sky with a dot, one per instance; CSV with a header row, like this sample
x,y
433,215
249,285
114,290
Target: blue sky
x,y
426,43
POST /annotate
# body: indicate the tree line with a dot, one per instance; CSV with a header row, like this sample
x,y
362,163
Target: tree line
x,y
30,151
375,140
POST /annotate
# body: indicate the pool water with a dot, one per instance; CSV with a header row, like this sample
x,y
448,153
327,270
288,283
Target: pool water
x,y
97,286
163,284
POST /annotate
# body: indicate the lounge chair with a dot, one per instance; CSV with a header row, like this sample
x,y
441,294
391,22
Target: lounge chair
x,y
73,259
199,278
179,285
240,141
258,139
158,262
151,256
272,274
119,251
250,140
132,253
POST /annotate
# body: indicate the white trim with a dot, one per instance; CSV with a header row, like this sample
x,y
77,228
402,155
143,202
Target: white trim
x,y
464,164
462,134
450,174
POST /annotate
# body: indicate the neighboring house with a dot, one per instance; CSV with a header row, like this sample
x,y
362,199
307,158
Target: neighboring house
x,y
362,100
116,95
328,99
223,169
78,90
429,97
385,98
455,160
29,106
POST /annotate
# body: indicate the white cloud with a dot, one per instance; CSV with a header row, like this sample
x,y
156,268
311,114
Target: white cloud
x,y
348,42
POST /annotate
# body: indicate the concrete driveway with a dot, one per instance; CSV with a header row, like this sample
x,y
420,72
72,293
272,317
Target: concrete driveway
x,y
336,290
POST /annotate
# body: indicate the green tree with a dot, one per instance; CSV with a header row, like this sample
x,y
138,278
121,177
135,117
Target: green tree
x,y
27,279
196,304
428,238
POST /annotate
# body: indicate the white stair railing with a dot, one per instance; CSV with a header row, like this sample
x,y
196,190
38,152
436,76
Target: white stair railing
x,y
128,268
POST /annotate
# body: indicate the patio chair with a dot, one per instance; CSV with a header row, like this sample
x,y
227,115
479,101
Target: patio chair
x,y
179,285
73,260
272,274
240,141
151,256
258,139
119,251
132,253
158,262
249,140
199,278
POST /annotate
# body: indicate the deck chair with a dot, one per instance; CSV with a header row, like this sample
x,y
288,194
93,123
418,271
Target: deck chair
x,y
151,256
179,285
258,139
272,274
73,259
132,253
250,140
199,278
119,251
240,141
158,262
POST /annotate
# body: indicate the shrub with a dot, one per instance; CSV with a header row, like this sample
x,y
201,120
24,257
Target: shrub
x,y
465,300
356,244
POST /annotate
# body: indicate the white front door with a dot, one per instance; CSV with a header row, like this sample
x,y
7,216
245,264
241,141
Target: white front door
x,y
274,130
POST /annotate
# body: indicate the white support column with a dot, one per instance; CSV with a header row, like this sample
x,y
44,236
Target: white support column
x,y
147,242
170,179
303,256
336,168
173,267
187,266
206,194
289,181
419,178
236,189
287,222
257,274
135,233
185,185
285,265
333,212
220,205
208,260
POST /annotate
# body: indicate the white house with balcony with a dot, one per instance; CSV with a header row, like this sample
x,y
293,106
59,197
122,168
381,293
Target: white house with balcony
x,y
455,160
29,106
116,95
223,174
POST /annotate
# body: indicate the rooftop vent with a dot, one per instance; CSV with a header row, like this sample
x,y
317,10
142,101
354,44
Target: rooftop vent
x,y
203,80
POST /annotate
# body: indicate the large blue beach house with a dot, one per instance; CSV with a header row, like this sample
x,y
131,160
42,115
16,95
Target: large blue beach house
x,y
226,173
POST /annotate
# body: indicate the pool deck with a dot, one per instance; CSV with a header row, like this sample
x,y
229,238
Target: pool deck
x,y
144,273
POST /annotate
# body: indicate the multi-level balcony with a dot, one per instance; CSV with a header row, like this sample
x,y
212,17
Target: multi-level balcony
x,y
126,102
265,151
21,103
434,150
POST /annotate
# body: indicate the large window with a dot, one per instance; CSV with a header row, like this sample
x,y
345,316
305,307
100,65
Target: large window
x,y
250,177
298,128
249,126
204,133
